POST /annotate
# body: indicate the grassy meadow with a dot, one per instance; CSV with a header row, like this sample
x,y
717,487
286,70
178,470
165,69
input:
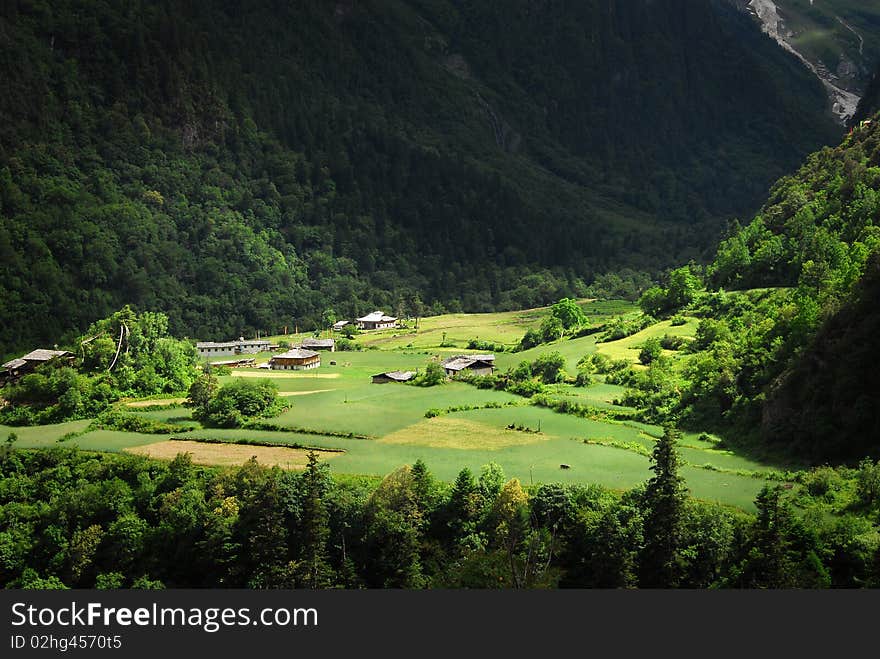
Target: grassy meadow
x,y
371,429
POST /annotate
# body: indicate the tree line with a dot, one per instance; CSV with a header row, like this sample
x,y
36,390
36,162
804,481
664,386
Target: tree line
x,y
80,519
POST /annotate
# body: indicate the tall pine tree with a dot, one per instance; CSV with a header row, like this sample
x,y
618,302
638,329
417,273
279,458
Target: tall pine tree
x,y
313,568
663,504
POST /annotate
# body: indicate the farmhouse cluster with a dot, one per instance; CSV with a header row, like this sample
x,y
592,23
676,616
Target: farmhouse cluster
x,y
307,354
302,357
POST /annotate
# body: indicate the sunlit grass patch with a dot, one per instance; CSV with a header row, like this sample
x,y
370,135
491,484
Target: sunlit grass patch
x,y
455,432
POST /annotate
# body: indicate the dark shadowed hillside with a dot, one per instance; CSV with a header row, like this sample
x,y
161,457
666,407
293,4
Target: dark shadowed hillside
x,y
870,103
826,405
783,355
246,166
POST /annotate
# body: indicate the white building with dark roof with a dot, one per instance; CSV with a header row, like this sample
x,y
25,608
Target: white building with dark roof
x,y
229,348
376,321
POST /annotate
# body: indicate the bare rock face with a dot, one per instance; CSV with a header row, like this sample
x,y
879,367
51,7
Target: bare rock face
x,y
839,85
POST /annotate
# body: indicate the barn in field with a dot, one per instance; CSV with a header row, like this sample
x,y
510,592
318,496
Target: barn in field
x,y
393,376
297,359
15,368
229,348
376,321
474,364
319,344
339,325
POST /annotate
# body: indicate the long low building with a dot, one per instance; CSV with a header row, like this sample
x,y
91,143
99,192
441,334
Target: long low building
x,y
229,348
236,363
296,359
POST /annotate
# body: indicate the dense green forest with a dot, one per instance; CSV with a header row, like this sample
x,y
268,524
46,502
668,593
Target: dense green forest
x,y
244,167
79,519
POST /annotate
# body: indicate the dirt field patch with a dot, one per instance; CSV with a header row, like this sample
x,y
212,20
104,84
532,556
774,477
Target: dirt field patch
x,y
450,432
230,455
303,393
156,401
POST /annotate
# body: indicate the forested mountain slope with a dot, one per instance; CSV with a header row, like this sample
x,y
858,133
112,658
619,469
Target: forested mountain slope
x,y
827,403
783,352
246,166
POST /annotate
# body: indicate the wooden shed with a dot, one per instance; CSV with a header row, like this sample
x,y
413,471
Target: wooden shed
x,y
393,376
297,359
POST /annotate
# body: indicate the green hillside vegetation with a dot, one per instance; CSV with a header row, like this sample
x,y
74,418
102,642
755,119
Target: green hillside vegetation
x,y
529,420
128,522
407,155
780,359
125,355
571,450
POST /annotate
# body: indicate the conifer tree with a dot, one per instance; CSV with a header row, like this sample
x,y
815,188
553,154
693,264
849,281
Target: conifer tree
x,y
663,503
313,569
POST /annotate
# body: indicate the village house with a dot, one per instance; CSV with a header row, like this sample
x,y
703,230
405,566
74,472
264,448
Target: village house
x,y
229,348
296,359
393,376
245,362
319,344
474,364
216,349
376,321
16,368
339,324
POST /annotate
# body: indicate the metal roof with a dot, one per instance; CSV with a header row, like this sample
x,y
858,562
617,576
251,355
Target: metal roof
x,y
41,355
399,376
231,344
318,343
462,362
376,317
15,363
471,358
296,353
